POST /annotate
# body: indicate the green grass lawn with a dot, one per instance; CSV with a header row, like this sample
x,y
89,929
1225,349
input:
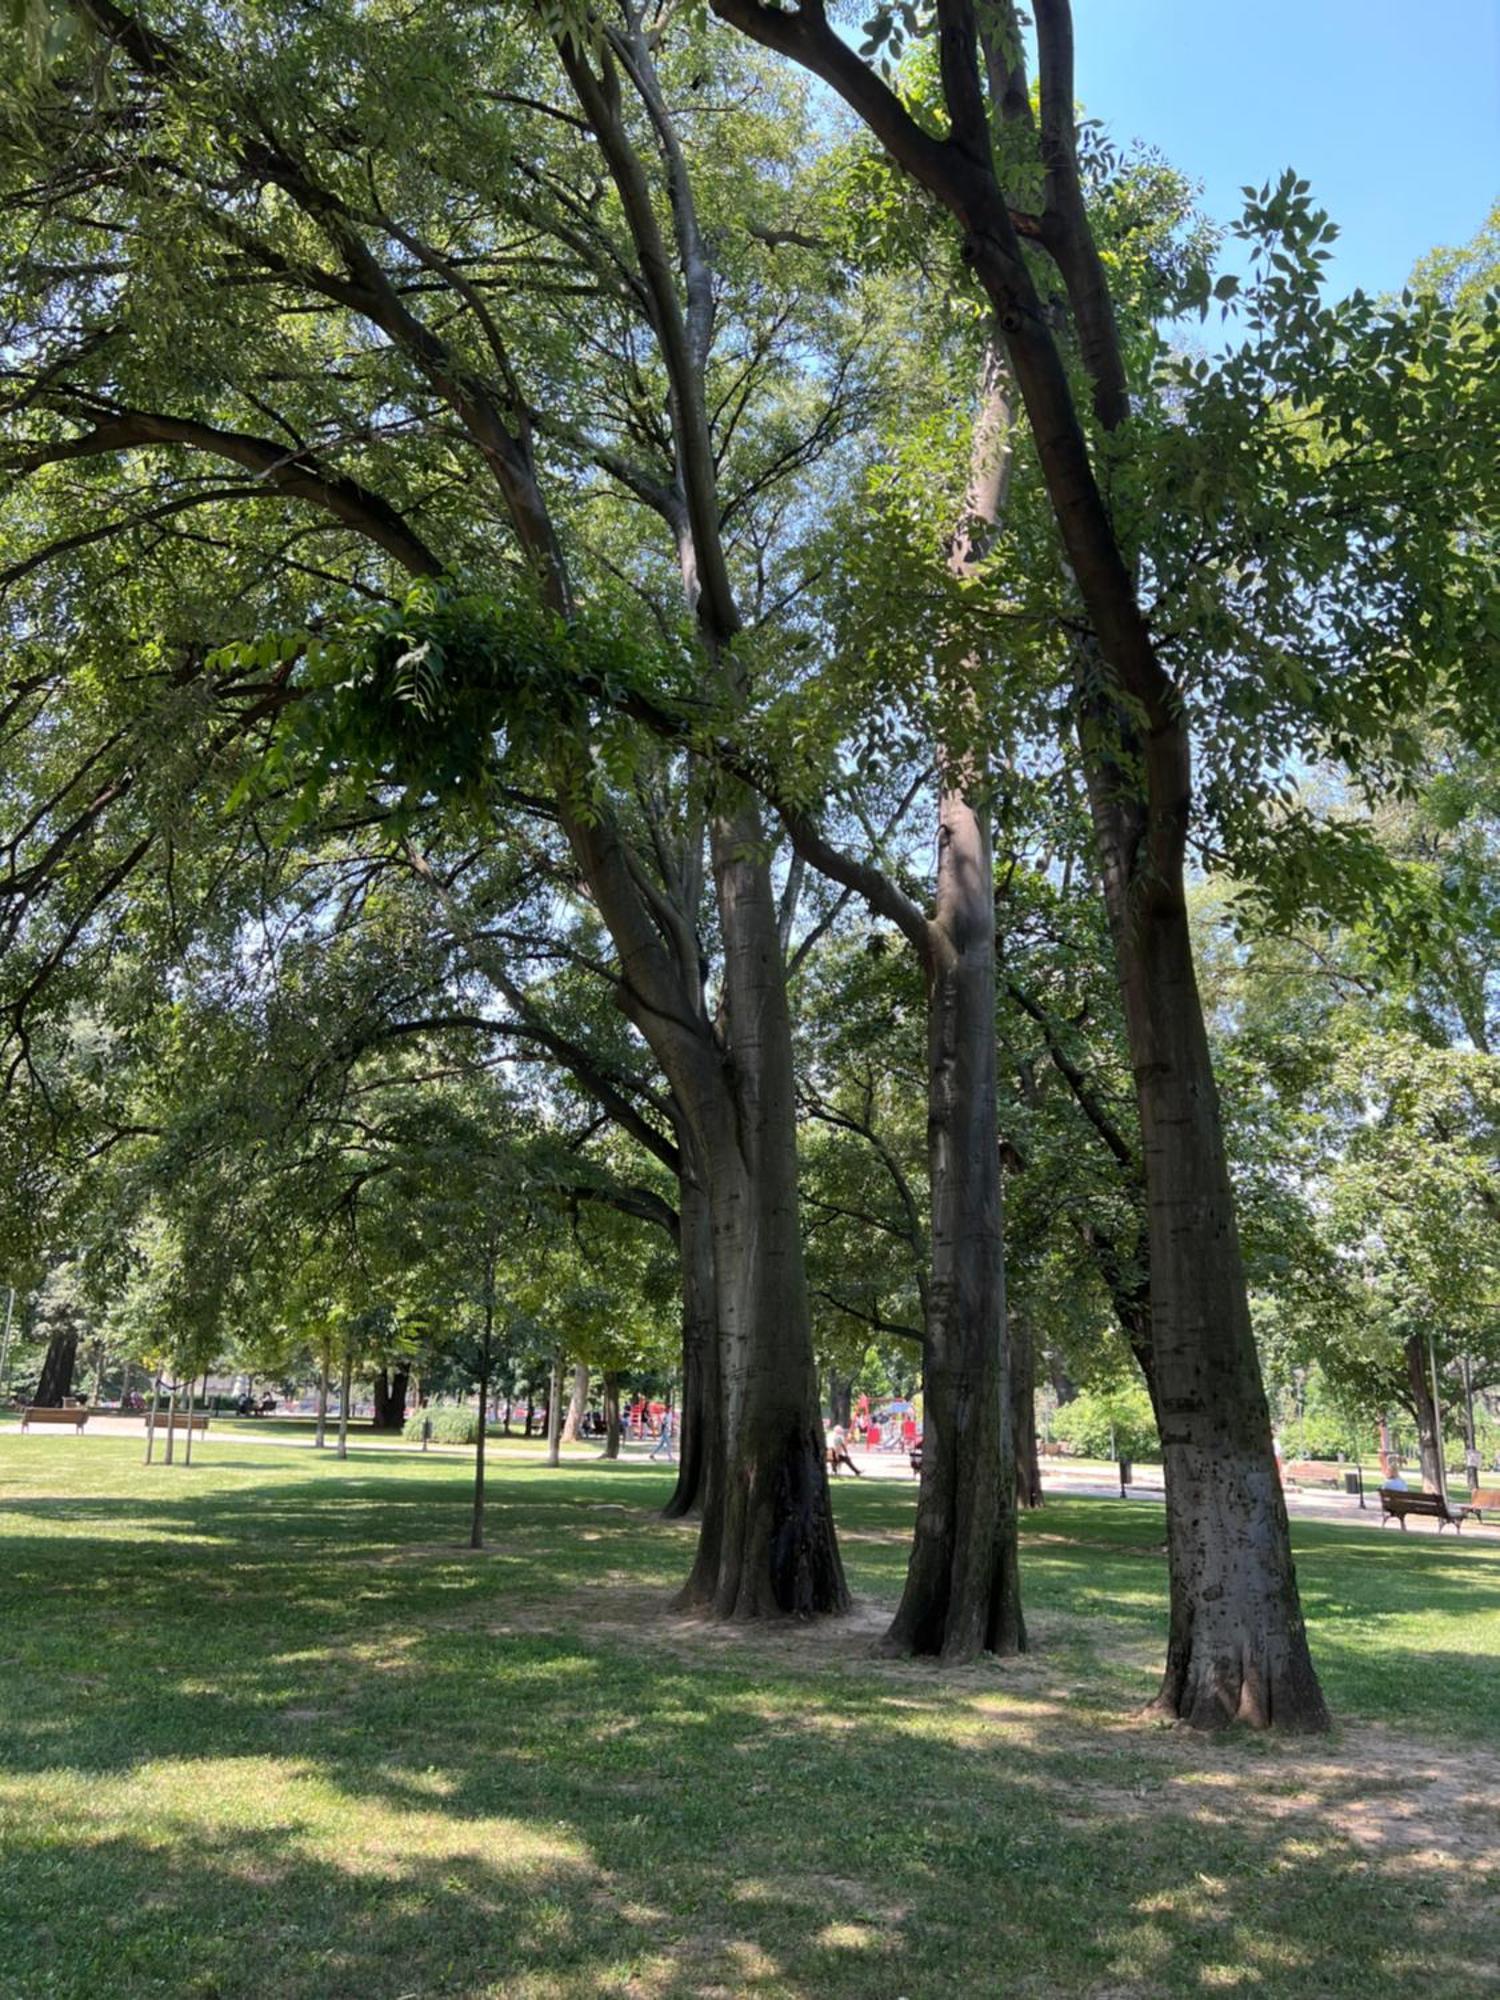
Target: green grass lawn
x,y
270,1730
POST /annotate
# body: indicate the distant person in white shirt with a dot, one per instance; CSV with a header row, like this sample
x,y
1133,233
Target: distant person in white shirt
x,y
838,1452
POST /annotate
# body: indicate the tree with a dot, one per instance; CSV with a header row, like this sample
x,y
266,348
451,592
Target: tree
x,y
365,267
1010,178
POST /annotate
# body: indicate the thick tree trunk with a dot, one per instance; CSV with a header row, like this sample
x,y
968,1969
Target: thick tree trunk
x,y
701,1431
962,1594
1237,1646
611,1413
1028,1458
1419,1386
390,1388
771,1549
57,1370
578,1403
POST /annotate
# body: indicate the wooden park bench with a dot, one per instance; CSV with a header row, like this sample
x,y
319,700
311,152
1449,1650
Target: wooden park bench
x,y
1313,1472
181,1421
1482,1497
1396,1507
47,1414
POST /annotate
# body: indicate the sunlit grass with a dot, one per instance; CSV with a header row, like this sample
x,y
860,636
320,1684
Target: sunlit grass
x,y
269,1729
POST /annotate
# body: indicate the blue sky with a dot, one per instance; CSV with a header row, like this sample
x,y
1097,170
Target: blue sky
x,y
1391,109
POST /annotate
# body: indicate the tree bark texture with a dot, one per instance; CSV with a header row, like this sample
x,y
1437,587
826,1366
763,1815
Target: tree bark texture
x,y
1237,1645
578,1403
390,1387
701,1432
554,1413
58,1365
611,1413
1419,1388
1028,1458
962,1593
771,1550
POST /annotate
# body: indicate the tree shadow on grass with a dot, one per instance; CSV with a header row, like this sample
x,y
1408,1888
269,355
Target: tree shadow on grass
x,y
287,1737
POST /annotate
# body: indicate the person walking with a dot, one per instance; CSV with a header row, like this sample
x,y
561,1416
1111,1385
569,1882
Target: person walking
x,y
663,1446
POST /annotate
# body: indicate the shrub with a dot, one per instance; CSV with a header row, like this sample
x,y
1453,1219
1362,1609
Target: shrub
x,y
450,1422
1087,1422
1319,1434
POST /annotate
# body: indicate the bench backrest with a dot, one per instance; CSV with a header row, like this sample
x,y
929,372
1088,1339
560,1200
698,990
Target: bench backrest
x,y
181,1421
1485,1496
1413,1503
48,1413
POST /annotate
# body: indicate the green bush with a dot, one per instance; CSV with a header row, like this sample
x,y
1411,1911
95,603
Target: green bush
x,y
450,1424
1087,1422
1318,1434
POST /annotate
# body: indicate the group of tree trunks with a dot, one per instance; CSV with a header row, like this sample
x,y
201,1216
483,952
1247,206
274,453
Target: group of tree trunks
x,y
753,1466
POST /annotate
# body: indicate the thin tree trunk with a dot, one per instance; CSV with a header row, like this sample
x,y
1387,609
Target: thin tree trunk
x,y
554,1412
1028,1458
611,1413
171,1416
476,1528
320,1435
701,1430
346,1384
57,1371
187,1442
151,1417
578,1403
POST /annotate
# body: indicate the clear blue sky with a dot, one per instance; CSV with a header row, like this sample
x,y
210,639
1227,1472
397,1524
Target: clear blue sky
x,y
1391,108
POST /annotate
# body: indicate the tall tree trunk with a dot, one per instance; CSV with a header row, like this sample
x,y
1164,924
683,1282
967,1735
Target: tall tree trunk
x,y
771,1550
700,1440
346,1384
554,1412
611,1413
390,1387
1028,1457
1237,1646
578,1403
1419,1386
320,1435
962,1592
151,1416
476,1525
840,1398
57,1370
